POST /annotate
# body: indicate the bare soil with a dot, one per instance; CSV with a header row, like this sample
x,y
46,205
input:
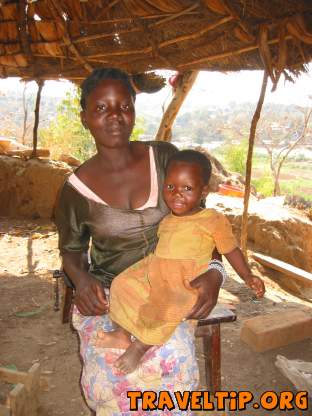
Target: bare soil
x,y
32,332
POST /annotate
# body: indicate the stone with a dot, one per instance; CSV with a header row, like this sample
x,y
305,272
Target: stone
x,y
266,332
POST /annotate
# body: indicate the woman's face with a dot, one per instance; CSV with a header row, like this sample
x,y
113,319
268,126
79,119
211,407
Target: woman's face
x,y
109,114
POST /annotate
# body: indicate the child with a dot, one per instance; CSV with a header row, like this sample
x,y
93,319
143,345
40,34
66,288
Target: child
x,y
150,298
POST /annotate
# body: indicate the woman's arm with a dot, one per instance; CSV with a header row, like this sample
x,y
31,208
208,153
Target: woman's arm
x,y
89,294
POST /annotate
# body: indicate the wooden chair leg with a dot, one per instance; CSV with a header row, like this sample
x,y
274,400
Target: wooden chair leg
x,y
68,296
212,354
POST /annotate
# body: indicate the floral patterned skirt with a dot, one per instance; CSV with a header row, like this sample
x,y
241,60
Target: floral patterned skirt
x,y
170,367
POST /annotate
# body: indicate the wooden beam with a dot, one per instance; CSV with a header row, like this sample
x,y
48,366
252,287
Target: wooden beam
x,y
174,16
295,272
252,134
164,131
23,33
58,13
149,49
227,54
96,36
36,123
197,34
243,25
107,8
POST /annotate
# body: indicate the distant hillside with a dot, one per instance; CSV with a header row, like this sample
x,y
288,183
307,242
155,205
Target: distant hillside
x,y
12,114
210,123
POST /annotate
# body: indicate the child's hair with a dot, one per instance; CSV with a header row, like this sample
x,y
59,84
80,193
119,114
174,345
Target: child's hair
x,y
193,156
101,74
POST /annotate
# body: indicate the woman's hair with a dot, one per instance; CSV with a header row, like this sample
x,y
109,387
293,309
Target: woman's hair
x,y
192,156
101,74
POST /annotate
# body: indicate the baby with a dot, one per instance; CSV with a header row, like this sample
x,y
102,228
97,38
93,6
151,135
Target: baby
x,y
149,299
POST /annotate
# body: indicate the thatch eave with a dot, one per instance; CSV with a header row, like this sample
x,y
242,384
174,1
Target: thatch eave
x,y
51,39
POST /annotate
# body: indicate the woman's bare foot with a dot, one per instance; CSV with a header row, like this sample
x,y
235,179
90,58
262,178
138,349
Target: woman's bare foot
x,y
131,358
113,339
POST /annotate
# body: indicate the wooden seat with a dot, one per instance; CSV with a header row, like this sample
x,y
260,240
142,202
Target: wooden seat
x,y
208,329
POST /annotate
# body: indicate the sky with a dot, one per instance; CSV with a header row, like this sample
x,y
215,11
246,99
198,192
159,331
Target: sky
x,y
210,88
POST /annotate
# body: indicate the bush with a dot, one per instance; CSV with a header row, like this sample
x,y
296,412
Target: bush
x,y
235,157
264,186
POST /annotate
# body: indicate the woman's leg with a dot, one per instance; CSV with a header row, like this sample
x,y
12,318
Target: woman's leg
x,y
171,367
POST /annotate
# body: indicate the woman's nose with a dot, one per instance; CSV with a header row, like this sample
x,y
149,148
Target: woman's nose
x,y
115,112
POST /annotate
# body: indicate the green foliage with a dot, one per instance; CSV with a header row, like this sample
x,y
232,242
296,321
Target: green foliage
x,y
235,157
139,129
66,134
264,185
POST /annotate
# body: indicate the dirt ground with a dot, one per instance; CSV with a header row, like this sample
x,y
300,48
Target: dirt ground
x,y
32,332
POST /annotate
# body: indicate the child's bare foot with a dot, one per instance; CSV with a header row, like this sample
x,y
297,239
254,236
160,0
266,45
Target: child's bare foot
x,y
113,339
131,358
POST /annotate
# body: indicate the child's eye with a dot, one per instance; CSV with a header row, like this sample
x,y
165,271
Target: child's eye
x,y
125,107
188,188
169,187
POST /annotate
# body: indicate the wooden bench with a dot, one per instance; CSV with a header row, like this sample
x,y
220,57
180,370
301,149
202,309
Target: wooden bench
x,y
208,329
23,398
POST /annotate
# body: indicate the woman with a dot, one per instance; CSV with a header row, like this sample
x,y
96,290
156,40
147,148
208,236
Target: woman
x,y
115,201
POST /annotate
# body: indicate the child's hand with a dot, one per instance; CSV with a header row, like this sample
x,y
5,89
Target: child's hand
x,y
256,284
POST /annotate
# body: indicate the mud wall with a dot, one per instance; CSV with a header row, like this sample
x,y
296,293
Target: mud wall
x,y
28,189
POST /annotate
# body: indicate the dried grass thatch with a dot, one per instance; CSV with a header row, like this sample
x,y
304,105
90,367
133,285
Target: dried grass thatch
x,y
49,39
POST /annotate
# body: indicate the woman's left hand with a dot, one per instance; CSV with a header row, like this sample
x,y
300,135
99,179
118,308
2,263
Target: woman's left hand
x,y
208,285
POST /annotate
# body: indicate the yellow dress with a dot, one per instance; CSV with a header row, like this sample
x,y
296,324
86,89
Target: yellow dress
x,y
150,298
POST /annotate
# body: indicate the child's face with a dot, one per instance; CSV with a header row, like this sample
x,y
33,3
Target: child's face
x,y
184,188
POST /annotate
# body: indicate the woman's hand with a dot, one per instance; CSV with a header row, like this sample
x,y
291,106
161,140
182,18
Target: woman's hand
x,y
90,298
208,285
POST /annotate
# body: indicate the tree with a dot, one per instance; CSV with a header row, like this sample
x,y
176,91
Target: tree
x,y
66,133
235,156
25,111
281,137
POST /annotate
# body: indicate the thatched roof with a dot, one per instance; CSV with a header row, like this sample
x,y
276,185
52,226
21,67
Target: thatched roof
x,y
50,39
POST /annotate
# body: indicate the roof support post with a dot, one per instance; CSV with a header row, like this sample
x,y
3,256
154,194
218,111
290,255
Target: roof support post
x,y
40,83
169,116
252,134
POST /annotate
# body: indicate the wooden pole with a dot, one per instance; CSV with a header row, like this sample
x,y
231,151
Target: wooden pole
x,y
187,81
40,83
252,134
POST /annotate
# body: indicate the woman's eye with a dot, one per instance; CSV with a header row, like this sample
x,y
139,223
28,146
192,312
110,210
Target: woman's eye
x,y
101,107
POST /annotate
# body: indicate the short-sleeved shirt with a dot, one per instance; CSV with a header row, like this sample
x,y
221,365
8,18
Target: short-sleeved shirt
x,y
119,237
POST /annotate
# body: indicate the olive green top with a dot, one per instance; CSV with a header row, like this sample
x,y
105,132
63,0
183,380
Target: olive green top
x,y
118,237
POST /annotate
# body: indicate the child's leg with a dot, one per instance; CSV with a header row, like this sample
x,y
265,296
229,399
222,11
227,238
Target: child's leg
x,y
131,358
119,338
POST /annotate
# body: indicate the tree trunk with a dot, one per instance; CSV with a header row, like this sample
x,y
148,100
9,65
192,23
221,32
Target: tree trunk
x,y
25,109
37,108
164,131
252,134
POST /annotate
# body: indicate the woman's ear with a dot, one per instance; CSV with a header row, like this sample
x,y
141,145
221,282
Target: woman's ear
x,y
83,119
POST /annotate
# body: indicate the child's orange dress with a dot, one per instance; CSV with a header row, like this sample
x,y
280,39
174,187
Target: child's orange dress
x,y
150,298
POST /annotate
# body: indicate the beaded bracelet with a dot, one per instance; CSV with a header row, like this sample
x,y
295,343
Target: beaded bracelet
x,y
218,265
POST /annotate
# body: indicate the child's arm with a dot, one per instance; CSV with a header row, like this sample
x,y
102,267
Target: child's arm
x,y
239,264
